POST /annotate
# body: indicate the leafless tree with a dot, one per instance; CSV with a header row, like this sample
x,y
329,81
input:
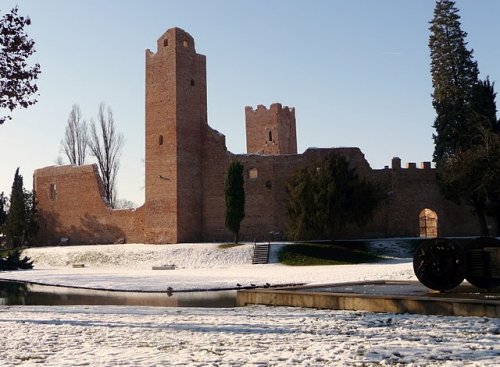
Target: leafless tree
x,y
106,144
125,204
74,143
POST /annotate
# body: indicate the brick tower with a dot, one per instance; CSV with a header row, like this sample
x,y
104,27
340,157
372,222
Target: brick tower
x,y
176,110
271,131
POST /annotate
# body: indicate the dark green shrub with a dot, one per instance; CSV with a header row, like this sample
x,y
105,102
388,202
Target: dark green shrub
x,y
13,261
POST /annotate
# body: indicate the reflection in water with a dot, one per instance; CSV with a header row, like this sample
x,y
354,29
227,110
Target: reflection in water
x,y
12,293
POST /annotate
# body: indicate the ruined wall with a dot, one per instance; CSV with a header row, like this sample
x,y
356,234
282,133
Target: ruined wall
x,y
271,131
71,204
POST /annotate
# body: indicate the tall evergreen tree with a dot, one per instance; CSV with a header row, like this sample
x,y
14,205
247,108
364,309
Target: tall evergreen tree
x,y
234,194
325,196
486,150
483,106
466,124
15,224
21,224
3,211
454,75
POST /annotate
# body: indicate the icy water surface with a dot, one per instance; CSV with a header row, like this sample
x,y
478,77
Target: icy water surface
x,y
13,293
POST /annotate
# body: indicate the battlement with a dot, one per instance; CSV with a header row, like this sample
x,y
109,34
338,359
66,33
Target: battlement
x,y
396,165
271,131
275,107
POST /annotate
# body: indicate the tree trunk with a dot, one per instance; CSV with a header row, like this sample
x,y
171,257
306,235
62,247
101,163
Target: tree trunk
x,y
497,219
483,226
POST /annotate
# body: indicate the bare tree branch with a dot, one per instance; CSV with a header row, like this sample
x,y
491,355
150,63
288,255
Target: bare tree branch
x,y
18,87
74,143
106,145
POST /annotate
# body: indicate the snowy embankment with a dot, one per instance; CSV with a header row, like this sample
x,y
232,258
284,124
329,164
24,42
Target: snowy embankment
x,y
140,256
198,267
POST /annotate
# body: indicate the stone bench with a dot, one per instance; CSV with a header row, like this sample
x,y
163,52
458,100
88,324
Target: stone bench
x,y
164,267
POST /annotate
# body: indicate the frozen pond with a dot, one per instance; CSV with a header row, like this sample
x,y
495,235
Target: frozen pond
x,y
14,293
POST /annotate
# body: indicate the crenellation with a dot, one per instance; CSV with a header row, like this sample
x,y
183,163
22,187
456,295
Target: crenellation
x,y
425,165
396,163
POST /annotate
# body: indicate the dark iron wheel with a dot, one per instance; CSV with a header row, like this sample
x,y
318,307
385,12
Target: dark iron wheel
x,y
440,264
483,262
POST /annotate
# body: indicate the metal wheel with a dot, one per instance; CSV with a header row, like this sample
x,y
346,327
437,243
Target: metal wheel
x,y
439,264
483,262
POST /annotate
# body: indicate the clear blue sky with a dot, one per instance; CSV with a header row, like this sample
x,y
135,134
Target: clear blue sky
x,y
357,72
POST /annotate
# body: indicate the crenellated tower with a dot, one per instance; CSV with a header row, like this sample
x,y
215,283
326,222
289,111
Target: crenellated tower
x,y
176,110
271,131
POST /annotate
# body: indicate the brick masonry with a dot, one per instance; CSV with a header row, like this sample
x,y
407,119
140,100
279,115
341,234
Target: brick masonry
x,y
186,162
271,131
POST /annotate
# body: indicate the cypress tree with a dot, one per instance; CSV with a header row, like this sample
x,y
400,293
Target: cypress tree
x,y
234,194
454,75
15,224
483,105
3,212
466,124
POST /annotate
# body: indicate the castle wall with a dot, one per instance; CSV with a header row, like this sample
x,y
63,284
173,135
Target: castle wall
x,y
265,178
412,190
186,165
79,212
71,204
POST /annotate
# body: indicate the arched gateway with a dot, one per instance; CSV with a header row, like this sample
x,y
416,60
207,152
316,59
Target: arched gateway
x,y
428,223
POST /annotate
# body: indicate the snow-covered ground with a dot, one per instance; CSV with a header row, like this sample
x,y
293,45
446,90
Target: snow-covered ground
x,y
198,266
249,336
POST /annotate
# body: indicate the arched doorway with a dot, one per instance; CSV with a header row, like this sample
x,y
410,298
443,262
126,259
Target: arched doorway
x,y
428,223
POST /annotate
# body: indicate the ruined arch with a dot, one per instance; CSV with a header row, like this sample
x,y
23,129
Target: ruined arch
x,y
428,223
